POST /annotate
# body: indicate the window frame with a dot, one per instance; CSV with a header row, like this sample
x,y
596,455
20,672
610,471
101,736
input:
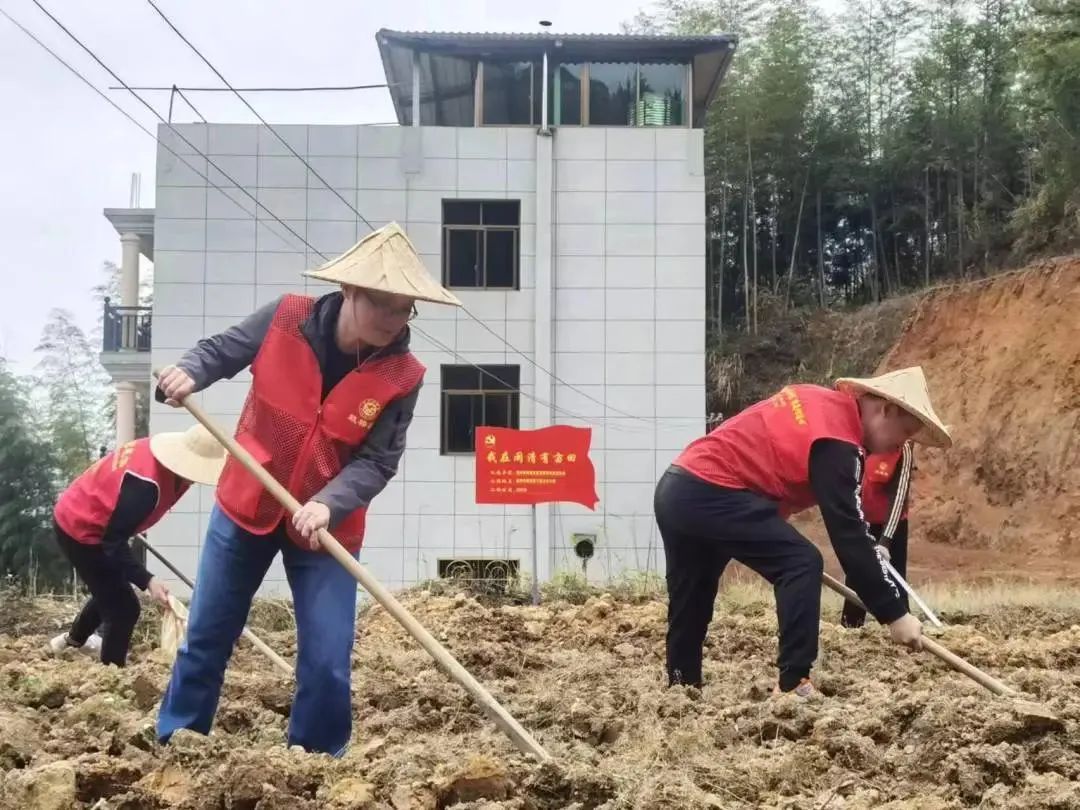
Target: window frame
x,y
484,228
484,387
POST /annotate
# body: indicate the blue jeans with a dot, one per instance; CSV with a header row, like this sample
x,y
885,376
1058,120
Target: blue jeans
x,y
232,566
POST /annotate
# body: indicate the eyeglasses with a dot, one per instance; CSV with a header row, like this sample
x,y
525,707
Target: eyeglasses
x,y
388,309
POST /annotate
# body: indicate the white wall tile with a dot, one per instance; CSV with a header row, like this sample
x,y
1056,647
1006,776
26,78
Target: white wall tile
x,y
337,205
328,140
230,203
630,271
179,234
230,268
379,142
672,143
680,336
230,235
579,335
581,175
520,143
482,142
425,236
265,293
579,271
521,175
630,240
629,336
183,139
630,175
285,203
680,207
631,207
426,465
438,174
528,205
230,171
230,300
180,203
294,135
283,171
579,240
629,400
425,206
522,336
233,139
528,240
382,204
424,433
674,175
574,304
472,337
583,399
340,171
675,305
629,369
680,400
439,142
580,368
631,466
332,238
176,332
680,369
680,240
631,143
481,175
180,170
580,143
579,207
178,299
488,305
630,305
680,271
178,266
271,235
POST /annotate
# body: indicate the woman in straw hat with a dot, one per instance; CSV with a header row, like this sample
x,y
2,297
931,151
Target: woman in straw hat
x,y
727,496
333,390
121,495
886,485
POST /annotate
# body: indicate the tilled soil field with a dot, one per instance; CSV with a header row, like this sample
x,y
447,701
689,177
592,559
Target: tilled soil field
x,y
893,730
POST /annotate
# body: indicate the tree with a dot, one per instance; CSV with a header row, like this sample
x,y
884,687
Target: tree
x,y
28,553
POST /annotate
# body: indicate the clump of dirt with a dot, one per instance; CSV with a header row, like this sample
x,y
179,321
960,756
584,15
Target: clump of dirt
x,y
894,729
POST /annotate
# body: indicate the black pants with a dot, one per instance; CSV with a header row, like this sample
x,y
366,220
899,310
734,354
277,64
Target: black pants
x,y
703,527
113,605
854,616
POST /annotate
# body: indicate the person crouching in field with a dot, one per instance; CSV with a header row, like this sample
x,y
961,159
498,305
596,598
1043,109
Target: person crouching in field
x,y
886,485
334,385
728,496
122,494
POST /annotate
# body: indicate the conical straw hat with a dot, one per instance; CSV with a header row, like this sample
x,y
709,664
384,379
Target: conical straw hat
x,y
194,454
906,388
386,261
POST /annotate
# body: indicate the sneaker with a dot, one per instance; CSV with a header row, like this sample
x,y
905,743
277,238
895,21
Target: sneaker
x,y
804,691
93,644
58,644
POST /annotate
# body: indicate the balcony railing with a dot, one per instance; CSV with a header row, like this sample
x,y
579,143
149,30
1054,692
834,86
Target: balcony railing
x,y
126,329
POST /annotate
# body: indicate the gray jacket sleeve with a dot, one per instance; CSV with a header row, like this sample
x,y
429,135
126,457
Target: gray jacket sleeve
x,y
227,353
373,463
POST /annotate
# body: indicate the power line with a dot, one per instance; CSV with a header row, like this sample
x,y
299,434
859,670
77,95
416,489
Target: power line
x,y
255,112
326,89
356,211
187,101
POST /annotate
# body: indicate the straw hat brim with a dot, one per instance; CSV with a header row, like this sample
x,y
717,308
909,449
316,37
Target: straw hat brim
x,y
934,433
173,451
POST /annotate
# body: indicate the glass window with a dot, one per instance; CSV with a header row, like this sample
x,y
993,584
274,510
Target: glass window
x,y
477,396
612,94
481,243
447,92
564,106
511,93
661,95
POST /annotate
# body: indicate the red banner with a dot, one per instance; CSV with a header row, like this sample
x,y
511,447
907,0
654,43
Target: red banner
x,y
535,466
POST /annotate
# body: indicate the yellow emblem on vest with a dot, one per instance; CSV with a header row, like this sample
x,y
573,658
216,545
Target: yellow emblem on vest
x,y
366,413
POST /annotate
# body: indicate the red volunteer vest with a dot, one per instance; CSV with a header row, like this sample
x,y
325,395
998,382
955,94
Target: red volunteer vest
x,y
766,448
302,440
880,469
85,508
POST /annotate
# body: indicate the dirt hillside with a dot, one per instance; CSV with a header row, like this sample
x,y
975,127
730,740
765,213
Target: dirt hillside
x,y
1003,361
896,730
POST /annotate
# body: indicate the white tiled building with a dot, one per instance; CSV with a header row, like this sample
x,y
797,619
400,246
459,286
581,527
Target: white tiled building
x,y
578,244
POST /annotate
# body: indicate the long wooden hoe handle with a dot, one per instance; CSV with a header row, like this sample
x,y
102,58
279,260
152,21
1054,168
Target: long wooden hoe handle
x,y
932,647
256,642
520,737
